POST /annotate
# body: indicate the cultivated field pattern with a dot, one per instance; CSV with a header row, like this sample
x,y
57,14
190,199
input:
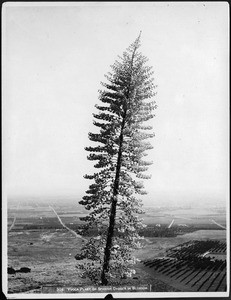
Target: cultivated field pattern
x,y
183,249
194,265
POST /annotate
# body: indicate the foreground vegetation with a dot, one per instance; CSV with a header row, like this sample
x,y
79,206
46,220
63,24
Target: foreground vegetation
x,y
50,254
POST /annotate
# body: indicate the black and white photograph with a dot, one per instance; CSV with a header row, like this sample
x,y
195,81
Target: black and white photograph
x,y
115,150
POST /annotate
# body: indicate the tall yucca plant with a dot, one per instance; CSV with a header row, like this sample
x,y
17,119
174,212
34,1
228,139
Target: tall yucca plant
x,y
121,146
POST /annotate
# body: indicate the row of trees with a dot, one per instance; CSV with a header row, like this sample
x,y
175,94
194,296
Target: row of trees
x,y
195,271
196,248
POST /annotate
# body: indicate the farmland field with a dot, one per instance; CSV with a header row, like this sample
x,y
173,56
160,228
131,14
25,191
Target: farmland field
x,y
38,240
188,268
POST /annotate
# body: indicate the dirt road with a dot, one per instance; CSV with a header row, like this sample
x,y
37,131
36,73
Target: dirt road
x,y
13,223
69,229
170,225
218,224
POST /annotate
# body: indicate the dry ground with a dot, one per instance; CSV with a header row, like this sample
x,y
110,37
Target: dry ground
x,y
50,255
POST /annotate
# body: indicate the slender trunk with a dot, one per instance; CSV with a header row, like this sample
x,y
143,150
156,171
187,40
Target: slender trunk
x,y
107,251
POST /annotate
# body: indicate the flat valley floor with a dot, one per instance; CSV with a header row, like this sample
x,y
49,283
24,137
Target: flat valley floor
x,y
50,253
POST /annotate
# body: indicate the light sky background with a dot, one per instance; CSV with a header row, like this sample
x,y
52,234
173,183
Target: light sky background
x,y
54,58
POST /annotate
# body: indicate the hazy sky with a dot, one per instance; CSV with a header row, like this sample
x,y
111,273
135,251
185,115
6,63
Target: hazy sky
x,y
54,59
